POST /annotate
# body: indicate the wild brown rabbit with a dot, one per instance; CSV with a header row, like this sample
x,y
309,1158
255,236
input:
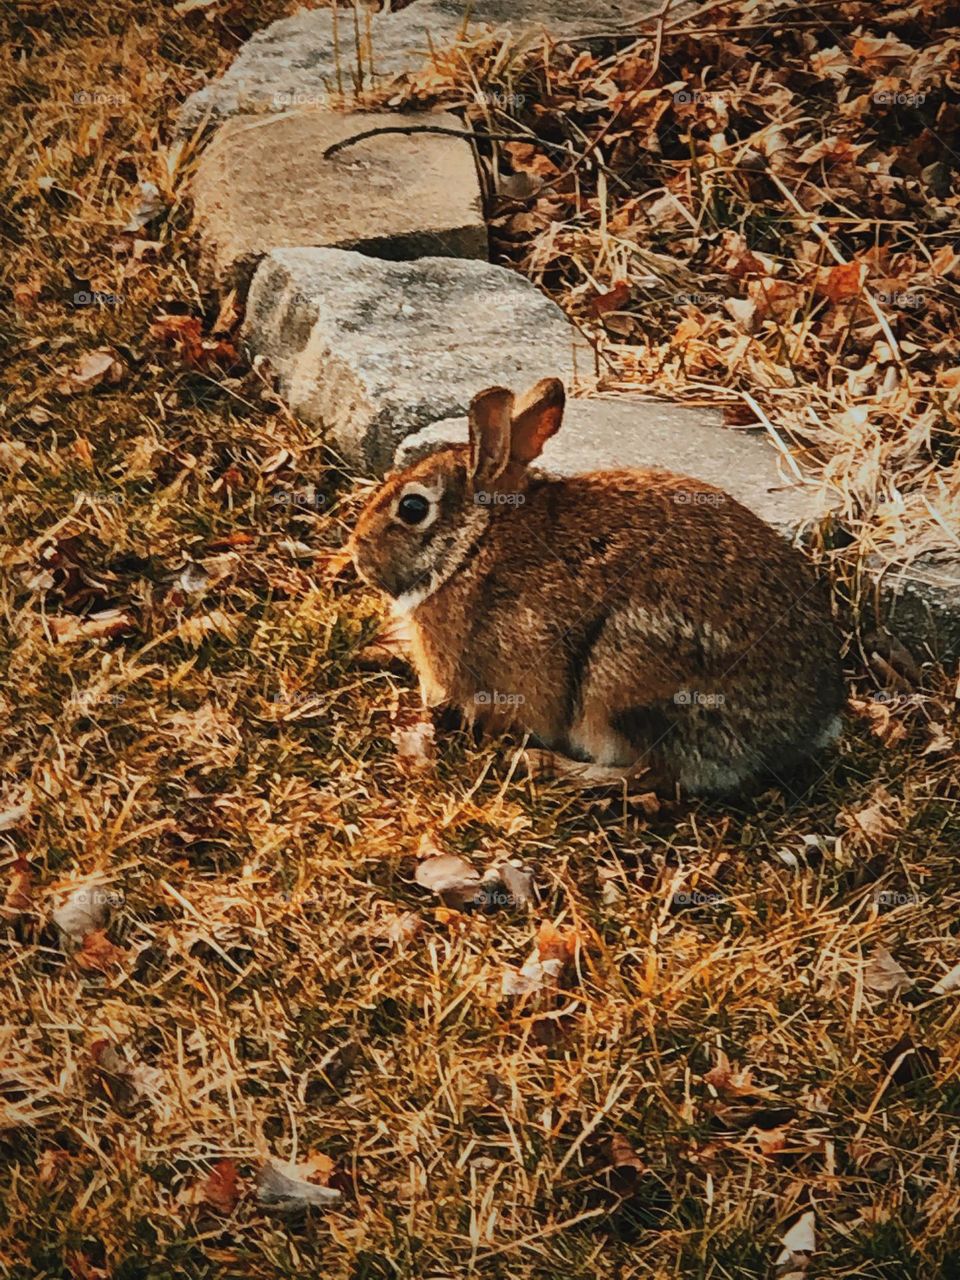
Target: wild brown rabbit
x,y
635,619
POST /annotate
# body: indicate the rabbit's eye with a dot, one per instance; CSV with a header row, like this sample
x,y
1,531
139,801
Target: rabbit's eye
x,y
413,508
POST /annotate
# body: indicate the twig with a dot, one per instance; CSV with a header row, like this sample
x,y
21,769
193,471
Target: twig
x,y
471,135
438,128
775,436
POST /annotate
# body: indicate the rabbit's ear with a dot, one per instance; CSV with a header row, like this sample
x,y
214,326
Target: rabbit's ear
x,y
490,425
536,418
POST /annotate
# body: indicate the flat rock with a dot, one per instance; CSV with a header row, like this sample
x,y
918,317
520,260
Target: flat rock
x,y
372,350
263,184
918,603
631,431
302,60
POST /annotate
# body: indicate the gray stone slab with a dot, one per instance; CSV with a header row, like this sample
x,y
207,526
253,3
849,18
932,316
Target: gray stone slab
x,y
263,184
919,603
299,61
372,350
604,434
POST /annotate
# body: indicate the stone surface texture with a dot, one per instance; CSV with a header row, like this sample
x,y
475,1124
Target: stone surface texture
x,y
602,435
373,351
263,184
919,603
299,61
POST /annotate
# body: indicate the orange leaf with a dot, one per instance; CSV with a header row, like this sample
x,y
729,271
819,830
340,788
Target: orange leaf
x,y
842,281
555,944
98,954
19,895
613,300
220,1189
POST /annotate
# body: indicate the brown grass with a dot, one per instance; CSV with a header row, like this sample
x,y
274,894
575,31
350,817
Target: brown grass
x,y
215,765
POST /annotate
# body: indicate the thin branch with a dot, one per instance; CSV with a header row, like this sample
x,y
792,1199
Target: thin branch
x,y
438,128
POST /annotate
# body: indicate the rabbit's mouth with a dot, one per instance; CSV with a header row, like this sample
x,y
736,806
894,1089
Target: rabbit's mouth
x,y
390,581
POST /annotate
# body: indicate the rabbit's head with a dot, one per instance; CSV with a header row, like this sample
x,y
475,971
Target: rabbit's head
x,y
422,522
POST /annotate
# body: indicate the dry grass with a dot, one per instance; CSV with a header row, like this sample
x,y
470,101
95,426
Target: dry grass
x,y
726,1048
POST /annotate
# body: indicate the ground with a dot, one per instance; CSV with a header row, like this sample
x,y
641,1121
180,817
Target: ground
x,y
737,1022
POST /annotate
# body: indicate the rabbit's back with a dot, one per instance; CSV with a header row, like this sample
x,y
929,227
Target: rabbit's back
x,y
636,614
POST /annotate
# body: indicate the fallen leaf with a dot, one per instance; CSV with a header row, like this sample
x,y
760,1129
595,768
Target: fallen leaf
x,y
220,1189
26,294
883,975
614,299
543,968
284,1186
184,336
91,370
11,817
416,743
843,281
395,928
97,954
74,629
874,825
799,1243
452,879
744,312
517,881
772,1142
730,1083
940,740
882,49
52,1161
149,207
949,982
83,911
19,896
883,724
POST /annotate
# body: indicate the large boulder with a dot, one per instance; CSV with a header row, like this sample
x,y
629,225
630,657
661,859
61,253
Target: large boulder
x,y
373,350
302,60
264,184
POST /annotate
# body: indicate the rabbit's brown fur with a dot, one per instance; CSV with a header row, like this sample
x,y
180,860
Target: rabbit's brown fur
x,y
622,617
